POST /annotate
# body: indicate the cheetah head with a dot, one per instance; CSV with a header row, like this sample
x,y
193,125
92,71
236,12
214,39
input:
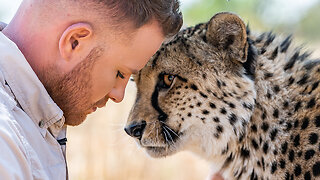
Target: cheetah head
x,y
194,94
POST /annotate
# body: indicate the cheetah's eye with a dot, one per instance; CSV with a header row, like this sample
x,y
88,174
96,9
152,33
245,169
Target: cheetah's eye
x,y
168,80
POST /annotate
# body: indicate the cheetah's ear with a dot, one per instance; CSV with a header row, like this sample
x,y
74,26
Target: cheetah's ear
x,y
227,32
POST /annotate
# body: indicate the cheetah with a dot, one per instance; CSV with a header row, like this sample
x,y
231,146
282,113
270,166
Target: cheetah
x,y
248,103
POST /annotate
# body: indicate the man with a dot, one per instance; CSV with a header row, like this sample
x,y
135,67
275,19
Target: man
x,y
60,60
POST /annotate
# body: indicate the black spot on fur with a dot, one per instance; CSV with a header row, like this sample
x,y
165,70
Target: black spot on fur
x,y
254,128
291,155
291,62
260,38
291,81
205,112
296,123
233,119
297,170
316,169
276,88
253,176
305,123
265,147
297,140
314,86
273,134
231,105
216,119
254,144
307,176
269,40
311,103
274,167
313,138
274,54
317,121
228,161
265,126
223,111
276,113
309,154
297,106
303,80
213,106
194,87
288,126
247,106
268,95
219,129
287,176
244,153
263,116
204,76
203,95
285,44
219,84
268,75
286,104
299,153
282,163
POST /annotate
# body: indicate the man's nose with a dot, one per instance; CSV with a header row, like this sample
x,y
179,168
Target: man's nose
x,y
135,129
117,93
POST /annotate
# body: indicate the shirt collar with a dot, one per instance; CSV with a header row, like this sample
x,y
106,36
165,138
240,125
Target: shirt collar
x,y
27,88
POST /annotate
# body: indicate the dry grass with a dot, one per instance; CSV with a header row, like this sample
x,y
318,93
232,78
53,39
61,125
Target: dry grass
x,y
100,149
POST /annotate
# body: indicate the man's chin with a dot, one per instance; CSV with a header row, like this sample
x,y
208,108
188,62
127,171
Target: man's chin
x,y
75,120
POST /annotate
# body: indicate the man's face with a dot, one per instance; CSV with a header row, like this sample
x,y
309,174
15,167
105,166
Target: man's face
x,y
103,74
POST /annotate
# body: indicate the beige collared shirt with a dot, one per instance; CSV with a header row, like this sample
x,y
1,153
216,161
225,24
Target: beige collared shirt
x,y
30,122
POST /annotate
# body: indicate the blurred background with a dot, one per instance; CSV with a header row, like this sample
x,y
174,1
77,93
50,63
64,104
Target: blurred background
x,y
100,149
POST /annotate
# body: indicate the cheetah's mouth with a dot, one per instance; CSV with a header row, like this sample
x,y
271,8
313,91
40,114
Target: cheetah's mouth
x,y
159,151
156,151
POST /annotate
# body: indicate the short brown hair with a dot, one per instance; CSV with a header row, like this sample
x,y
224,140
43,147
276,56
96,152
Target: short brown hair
x,y
140,12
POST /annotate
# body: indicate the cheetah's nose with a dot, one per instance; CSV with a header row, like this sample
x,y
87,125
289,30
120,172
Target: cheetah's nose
x,y
136,129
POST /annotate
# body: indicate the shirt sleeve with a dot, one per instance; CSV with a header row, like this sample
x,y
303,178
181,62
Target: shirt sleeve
x,y
14,163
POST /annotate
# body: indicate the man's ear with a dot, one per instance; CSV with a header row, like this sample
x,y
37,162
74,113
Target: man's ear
x,y
227,32
75,39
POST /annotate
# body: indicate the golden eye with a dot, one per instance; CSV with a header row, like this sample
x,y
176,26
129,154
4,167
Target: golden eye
x,y
168,80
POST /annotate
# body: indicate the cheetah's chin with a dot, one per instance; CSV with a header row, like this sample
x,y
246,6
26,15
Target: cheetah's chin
x,y
159,152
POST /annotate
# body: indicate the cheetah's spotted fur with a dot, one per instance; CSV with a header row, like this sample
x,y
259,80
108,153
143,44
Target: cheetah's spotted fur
x,y
249,104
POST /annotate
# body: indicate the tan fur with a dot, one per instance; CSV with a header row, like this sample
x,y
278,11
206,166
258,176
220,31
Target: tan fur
x,y
237,115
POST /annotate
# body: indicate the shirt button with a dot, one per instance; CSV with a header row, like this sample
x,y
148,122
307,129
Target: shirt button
x,y
41,124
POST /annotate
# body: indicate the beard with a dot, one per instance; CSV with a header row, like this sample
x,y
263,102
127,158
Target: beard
x,y
72,91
